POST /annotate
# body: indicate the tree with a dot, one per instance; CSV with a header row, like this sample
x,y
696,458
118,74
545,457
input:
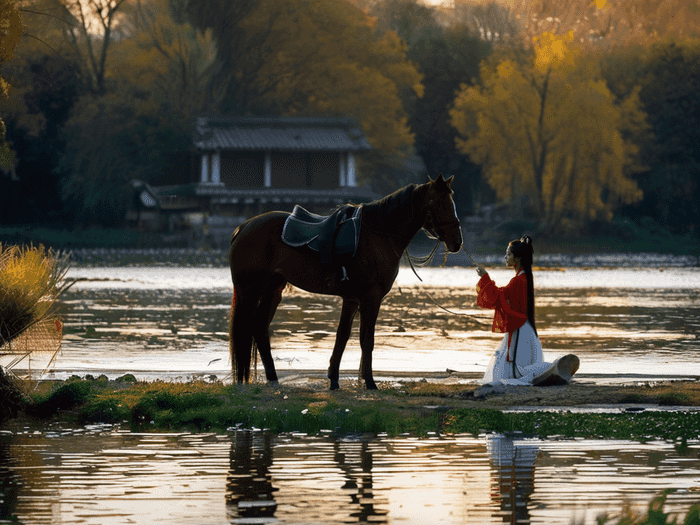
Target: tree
x,y
316,57
669,90
168,59
89,26
12,30
141,125
548,134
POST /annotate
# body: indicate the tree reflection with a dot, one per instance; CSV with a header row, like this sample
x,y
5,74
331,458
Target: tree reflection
x,y
513,472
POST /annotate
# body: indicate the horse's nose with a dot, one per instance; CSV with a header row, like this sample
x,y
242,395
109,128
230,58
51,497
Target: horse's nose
x,y
456,245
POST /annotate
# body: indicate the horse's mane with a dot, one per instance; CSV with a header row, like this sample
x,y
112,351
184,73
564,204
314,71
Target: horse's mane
x,y
381,211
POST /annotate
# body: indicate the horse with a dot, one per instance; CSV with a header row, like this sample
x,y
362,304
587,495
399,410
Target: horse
x,y
262,265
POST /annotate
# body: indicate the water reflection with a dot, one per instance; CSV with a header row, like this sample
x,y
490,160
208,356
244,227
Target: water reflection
x,y
344,469
103,475
249,490
172,323
9,484
513,473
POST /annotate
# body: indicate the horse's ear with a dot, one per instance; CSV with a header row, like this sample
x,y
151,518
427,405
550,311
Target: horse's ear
x,y
441,182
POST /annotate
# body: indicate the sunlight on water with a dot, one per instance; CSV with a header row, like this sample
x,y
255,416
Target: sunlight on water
x,y
172,323
97,475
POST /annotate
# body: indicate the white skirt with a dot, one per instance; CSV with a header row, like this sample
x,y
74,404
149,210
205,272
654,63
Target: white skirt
x,y
529,362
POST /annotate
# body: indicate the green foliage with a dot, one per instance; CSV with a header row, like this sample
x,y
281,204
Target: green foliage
x,y
66,397
109,143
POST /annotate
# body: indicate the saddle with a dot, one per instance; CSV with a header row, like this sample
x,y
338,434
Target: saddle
x,y
333,236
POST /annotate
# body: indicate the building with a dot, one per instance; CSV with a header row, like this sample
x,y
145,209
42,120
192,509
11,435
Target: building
x,y
244,166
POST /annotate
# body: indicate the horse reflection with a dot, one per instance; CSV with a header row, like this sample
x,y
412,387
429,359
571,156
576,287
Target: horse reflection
x,y
252,498
249,490
359,482
513,473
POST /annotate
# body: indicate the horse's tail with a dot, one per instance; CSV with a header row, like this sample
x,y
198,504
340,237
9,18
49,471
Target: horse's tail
x,y
240,353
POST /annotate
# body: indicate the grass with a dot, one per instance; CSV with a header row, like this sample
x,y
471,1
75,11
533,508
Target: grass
x,y
31,281
215,407
655,515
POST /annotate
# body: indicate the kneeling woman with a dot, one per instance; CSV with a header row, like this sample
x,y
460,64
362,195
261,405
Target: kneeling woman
x,y
518,359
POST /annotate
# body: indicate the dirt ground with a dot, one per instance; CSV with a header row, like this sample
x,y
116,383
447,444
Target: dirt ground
x,y
577,394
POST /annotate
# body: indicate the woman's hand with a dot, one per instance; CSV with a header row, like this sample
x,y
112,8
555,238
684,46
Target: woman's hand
x,y
480,271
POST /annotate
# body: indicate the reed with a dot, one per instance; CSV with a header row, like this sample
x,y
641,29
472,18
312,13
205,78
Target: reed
x,y
31,281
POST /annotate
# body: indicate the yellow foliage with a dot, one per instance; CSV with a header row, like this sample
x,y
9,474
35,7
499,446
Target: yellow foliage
x,y
31,280
323,57
11,30
170,61
552,50
552,134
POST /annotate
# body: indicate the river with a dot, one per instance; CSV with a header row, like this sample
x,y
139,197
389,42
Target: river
x,y
626,324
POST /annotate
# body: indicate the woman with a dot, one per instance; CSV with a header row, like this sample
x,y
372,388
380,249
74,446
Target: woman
x,y
518,359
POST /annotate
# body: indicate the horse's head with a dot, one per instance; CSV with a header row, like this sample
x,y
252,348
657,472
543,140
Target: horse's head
x,y
441,221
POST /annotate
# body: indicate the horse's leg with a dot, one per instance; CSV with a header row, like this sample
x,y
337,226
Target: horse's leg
x,y
263,317
241,334
369,311
347,314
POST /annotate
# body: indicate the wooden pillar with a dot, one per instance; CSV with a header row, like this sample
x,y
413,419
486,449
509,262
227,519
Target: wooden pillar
x,y
215,168
343,176
204,173
268,169
351,170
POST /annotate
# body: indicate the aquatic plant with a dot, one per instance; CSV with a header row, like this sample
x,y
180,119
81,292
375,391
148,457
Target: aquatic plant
x,y
31,281
655,515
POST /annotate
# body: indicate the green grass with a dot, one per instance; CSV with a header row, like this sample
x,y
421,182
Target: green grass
x,y
217,407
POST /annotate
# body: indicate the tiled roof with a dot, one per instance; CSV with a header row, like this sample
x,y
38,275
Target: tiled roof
x,y
279,133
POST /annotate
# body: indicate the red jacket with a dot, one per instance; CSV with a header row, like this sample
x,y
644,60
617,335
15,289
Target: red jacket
x,y
510,302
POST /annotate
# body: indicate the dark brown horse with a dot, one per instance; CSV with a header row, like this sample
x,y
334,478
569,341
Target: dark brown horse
x,y
262,264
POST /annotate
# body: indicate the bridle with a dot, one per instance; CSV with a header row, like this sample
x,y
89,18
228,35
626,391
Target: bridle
x,y
435,224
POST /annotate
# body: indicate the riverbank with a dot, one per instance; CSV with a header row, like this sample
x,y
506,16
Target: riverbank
x,y
667,410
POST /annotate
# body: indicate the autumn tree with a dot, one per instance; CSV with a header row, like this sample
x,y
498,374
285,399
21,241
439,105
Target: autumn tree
x,y
549,134
140,128
317,58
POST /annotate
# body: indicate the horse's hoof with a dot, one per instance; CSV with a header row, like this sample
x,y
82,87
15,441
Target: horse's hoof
x,y
371,385
274,382
335,385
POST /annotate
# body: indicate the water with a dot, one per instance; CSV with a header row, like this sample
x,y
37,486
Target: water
x,y
101,475
171,323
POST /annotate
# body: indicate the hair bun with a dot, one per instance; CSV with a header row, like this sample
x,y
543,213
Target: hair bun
x,y
526,239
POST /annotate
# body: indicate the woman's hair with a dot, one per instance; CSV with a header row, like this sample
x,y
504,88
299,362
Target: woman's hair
x,y
523,248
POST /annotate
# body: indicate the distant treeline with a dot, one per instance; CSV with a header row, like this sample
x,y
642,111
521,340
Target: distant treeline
x,y
568,114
